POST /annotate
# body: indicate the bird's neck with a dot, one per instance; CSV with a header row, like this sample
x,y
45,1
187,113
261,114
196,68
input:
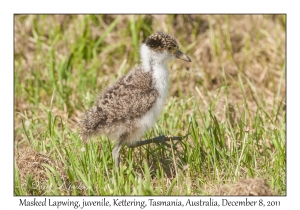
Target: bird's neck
x,y
153,60
157,63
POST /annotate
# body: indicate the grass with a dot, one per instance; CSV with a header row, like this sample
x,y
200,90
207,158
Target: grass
x,y
230,99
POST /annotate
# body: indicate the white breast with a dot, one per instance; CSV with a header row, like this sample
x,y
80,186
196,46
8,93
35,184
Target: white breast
x,y
148,120
161,83
161,80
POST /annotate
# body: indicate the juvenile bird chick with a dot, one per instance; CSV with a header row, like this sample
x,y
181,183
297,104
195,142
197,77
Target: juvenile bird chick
x,y
131,106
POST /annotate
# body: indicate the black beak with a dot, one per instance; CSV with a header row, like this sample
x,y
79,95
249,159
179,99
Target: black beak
x,y
180,55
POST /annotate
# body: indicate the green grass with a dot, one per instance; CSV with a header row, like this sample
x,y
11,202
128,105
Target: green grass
x,y
230,100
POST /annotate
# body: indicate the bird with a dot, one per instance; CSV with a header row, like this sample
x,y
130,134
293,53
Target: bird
x,y
128,108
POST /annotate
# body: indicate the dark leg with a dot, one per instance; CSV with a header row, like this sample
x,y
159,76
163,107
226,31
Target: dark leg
x,y
158,139
116,153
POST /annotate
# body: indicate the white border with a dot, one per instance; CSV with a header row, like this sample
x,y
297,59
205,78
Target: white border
x,y
8,8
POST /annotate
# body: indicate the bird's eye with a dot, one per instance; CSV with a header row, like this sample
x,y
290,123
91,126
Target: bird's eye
x,y
169,48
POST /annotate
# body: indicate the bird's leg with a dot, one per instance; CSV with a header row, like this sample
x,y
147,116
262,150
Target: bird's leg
x,y
116,153
159,139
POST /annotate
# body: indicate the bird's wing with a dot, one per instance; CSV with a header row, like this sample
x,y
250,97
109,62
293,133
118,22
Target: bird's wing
x,y
127,104
128,99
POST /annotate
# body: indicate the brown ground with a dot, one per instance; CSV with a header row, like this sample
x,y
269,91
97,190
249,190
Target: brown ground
x,y
246,187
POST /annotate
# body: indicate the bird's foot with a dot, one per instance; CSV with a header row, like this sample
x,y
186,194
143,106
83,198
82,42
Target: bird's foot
x,y
159,139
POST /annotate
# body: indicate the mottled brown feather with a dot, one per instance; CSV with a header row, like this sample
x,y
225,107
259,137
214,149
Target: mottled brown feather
x,y
161,41
125,102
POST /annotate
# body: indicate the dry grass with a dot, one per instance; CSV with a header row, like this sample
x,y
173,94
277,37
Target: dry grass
x,y
32,164
246,187
237,74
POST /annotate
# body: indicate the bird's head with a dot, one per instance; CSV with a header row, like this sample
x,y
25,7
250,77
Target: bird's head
x,y
162,47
